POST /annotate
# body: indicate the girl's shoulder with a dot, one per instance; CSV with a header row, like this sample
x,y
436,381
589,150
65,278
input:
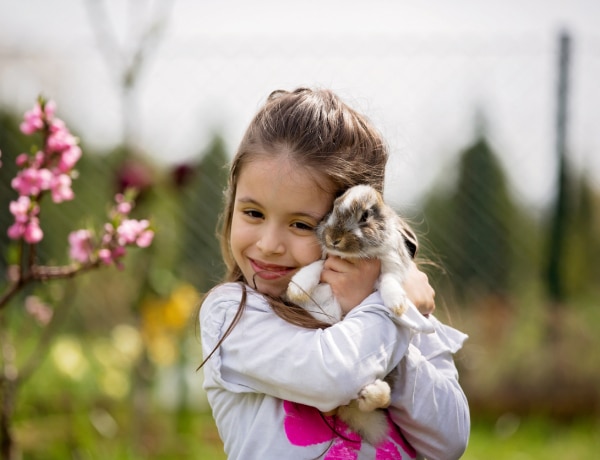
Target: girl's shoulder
x,y
222,305
223,295
224,290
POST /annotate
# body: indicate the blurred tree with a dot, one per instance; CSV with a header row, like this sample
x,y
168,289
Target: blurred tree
x,y
127,61
581,271
472,224
202,202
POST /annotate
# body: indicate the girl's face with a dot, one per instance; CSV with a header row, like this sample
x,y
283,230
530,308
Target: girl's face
x,y
277,206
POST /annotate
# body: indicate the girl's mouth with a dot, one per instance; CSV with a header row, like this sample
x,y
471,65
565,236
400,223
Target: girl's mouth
x,y
269,271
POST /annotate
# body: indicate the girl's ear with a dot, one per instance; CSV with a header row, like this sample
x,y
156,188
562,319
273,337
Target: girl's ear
x,y
410,239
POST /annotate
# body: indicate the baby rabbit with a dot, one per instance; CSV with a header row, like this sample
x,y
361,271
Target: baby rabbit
x,y
360,225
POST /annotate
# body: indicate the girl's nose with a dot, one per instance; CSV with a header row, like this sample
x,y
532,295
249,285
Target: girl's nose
x,y
271,242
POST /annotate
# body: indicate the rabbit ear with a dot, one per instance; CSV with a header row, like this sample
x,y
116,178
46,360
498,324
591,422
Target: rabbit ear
x,y
410,239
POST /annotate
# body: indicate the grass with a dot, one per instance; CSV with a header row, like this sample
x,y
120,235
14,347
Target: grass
x,y
511,438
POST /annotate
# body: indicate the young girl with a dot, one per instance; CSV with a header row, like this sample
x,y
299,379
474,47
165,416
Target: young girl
x,y
273,374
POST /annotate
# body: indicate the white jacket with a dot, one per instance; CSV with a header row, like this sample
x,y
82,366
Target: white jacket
x,y
269,379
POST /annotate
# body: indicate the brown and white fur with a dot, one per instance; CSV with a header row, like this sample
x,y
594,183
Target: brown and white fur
x,y
360,225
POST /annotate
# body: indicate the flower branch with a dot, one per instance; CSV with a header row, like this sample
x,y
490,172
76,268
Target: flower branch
x,y
50,170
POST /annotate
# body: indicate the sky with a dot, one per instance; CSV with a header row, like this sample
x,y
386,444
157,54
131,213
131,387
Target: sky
x,y
423,71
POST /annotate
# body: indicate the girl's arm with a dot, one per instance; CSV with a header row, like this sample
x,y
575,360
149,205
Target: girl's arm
x,y
419,291
428,404
319,368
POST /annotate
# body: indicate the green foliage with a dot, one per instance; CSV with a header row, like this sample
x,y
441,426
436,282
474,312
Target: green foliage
x,y
12,143
579,266
202,202
473,225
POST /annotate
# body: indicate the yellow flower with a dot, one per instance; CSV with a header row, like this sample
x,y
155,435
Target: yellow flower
x,y
163,321
180,305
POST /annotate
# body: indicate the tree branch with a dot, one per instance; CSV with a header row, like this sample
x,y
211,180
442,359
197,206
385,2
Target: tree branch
x,y
44,273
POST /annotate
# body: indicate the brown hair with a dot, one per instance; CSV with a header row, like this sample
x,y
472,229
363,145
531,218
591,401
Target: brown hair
x,y
321,133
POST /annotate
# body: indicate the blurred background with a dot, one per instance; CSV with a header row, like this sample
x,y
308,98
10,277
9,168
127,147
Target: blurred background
x,y
490,110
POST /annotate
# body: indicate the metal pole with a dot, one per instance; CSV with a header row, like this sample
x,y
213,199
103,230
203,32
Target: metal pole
x,y
558,235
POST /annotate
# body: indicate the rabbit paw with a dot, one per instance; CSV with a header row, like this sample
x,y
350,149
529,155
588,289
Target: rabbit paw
x,y
400,308
296,293
304,281
374,396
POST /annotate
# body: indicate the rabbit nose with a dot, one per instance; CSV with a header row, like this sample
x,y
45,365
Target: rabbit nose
x,y
333,241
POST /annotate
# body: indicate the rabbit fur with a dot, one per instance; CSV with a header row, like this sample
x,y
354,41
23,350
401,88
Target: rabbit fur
x,y
360,225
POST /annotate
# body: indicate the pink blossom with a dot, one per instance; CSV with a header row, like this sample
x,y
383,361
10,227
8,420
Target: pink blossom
x,y
16,230
124,208
31,181
33,120
49,109
68,158
38,159
60,138
33,233
61,188
105,256
22,160
27,224
20,209
30,231
108,256
145,239
109,231
130,230
80,242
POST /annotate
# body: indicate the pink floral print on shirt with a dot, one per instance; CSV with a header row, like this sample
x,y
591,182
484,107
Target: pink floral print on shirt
x,y
305,426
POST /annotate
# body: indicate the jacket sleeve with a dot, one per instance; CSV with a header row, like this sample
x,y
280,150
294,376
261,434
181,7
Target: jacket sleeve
x,y
320,368
428,404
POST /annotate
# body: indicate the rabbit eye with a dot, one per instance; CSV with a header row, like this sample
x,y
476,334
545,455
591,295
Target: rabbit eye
x,y
365,216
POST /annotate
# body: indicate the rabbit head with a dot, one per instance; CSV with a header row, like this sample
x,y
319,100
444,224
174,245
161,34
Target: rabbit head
x,y
358,225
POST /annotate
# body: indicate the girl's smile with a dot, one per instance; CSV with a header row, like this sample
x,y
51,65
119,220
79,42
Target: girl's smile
x,y
278,204
270,271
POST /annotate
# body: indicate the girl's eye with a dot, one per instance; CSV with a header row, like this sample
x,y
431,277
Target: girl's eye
x,y
253,213
303,226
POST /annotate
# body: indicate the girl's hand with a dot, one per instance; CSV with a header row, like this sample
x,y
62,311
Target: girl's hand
x,y
351,280
419,291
